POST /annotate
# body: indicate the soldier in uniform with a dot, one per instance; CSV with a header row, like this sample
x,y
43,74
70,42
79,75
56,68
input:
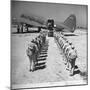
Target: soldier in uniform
x,y
18,28
72,55
31,54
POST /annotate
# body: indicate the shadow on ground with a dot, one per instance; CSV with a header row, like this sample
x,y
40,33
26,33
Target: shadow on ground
x,y
84,75
42,57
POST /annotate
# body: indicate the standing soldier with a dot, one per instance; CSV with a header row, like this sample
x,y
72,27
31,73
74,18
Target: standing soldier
x,y
68,47
21,28
18,28
34,41
65,45
27,27
72,55
31,55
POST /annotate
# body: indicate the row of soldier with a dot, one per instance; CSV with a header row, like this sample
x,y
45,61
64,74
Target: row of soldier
x,y
69,51
34,49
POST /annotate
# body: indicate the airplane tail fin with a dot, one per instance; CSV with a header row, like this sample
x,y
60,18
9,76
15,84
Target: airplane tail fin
x,y
70,22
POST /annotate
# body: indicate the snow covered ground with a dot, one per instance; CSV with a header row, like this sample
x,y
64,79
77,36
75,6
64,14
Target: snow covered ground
x,y
54,73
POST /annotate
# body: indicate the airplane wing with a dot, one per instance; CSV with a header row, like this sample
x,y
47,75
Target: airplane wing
x,y
40,20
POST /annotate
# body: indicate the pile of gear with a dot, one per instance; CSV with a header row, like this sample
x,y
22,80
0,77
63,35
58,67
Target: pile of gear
x,y
68,50
34,49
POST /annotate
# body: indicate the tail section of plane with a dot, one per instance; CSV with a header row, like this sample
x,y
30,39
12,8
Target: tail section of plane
x,y
70,22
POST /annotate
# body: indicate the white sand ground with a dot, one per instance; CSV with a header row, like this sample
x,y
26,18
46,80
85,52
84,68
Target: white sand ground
x,y
80,43
55,72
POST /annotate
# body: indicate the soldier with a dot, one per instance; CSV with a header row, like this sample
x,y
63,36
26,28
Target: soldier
x,y
31,54
44,38
72,55
68,47
18,28
21,28
39,42
65,45
35,41
62,42
36,49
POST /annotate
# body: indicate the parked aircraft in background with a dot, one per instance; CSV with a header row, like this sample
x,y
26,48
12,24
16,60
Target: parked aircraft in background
x,y
69,25
33,21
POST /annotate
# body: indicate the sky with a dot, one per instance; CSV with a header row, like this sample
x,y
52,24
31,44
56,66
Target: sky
x,y
59,12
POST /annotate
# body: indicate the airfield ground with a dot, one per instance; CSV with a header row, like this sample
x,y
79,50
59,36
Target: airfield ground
x,y
54,73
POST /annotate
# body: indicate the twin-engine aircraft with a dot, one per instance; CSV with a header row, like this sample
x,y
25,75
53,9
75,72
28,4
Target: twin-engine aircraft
x,y
69,25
